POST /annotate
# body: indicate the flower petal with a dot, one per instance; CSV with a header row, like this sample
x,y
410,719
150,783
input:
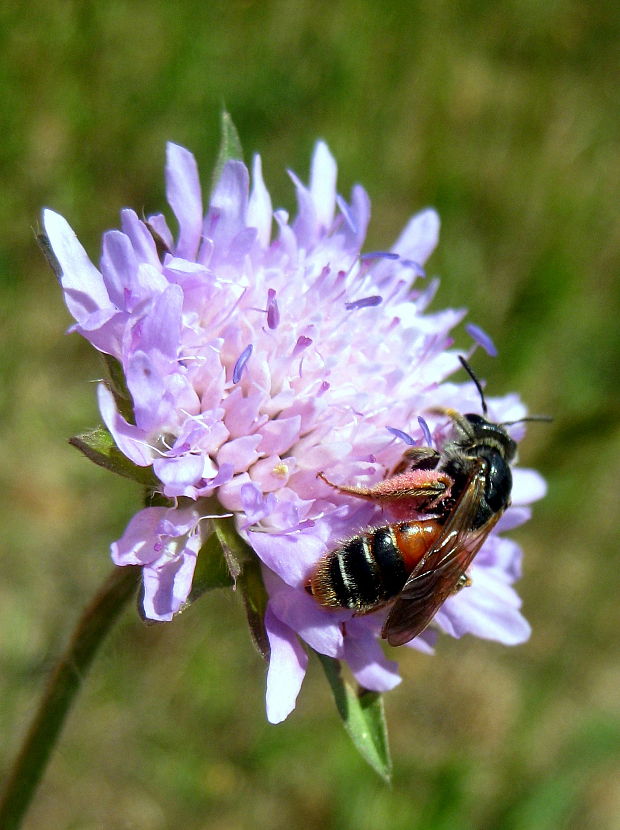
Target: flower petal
x,y
83,285
287,668
184,197
527,486
130,439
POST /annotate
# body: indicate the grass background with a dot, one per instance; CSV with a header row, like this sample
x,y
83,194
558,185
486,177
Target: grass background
x,y
504,115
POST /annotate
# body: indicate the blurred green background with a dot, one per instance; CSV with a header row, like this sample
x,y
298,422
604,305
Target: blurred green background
x,y
505,116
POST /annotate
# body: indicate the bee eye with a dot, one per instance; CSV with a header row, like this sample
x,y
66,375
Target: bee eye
x,y
474,418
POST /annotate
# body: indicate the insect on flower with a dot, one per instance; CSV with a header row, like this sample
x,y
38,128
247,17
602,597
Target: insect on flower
x,y
417,563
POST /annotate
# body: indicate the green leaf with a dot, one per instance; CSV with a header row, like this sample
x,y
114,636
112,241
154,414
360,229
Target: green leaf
x,y
246,572
255,598
50,256
235,550
98,445
118,386
211,569
230,146
363,717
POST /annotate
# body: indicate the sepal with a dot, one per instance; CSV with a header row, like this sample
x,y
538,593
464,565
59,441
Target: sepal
x,y
98,445
363,717
245,570
115,378
230,146
211,569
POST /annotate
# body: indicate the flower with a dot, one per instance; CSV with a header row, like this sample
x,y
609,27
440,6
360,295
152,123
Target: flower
x,y
255,361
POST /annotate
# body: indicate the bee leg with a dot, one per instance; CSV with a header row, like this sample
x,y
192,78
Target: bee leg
x,y
419,458
361,492
419,487
354,491
464,581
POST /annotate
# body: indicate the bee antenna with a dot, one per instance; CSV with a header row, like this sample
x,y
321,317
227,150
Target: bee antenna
x,y
471,374
546,418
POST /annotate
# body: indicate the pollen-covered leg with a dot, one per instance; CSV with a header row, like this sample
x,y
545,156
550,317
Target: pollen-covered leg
x,y
413,488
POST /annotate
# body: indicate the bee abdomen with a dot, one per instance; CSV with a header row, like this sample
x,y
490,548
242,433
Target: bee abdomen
x,y
361,574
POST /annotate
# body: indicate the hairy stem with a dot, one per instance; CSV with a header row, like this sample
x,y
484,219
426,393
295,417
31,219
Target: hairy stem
x,y
62,687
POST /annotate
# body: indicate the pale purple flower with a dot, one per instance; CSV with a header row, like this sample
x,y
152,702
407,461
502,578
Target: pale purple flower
x,y
254,361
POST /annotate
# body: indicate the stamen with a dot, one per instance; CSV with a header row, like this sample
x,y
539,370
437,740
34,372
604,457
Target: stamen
x,y
425,431
379,255
365,302
273,314
302,343
481,338
398,433
240,364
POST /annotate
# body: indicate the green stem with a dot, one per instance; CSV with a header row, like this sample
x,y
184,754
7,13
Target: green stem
x,y
62,687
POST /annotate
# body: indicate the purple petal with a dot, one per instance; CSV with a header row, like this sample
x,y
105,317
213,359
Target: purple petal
x,y
161,329
229,201
241,453
178,474
140,236
259,206
119,266
320,628
185,199
279,435
291,556
84,288
513,517
306,223
323,184
130,439
166,588
424,642
357,215
287,668
527,486
488,609
369,665
139,544
146,384
419,238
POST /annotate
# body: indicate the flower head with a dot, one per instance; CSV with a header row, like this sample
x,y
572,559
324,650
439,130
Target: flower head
x,y
255,360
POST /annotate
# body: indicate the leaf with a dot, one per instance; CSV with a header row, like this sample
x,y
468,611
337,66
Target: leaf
x,y
50,256
363,718
211,569
118,386
255,599
230,146
98,445
246,572
235,550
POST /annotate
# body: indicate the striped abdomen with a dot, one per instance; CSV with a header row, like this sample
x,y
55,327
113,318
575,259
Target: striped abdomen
x,y
372,568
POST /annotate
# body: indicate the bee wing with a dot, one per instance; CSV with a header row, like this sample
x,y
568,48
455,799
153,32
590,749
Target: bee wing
x,y
436,576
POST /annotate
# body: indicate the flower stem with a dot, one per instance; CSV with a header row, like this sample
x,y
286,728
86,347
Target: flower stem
x,y
63,685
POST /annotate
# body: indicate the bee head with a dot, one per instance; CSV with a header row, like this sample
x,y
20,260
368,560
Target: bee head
x,y
484,433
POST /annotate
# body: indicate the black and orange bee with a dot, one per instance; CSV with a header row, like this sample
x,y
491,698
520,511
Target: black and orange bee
x,y
416,564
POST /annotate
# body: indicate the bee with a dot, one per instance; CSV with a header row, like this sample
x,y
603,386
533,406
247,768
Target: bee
x,y
445,503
